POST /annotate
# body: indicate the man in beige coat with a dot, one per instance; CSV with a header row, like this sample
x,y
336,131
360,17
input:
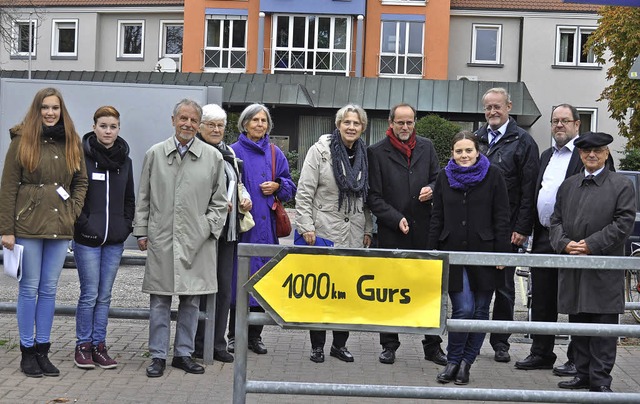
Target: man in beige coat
x,y
181,210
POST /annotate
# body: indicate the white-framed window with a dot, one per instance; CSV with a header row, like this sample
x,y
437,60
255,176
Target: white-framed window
x,y
226,43
20,44
311,44
64,39
401,48
486,43
588,119
404,2
171,41
131,39
570,43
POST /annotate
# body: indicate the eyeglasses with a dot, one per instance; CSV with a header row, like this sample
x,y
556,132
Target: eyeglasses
x,y
489,108
402,123
596,150
212,126
564,122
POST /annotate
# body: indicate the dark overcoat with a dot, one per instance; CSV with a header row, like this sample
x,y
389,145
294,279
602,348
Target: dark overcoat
x,y
602,212
394,187
472,220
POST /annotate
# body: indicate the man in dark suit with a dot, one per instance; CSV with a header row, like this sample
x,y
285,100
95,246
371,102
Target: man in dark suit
x,y
402,172
557,163
515,153
594,214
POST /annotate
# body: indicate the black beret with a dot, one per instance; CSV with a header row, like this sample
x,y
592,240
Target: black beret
x,y
590,140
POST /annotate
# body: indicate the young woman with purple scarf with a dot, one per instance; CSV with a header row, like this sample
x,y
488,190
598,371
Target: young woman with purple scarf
x,y
470,213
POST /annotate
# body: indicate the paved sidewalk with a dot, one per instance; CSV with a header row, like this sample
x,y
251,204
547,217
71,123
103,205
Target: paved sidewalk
x,y
287,360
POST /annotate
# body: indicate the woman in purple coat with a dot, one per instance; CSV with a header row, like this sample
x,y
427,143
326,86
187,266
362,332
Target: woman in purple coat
x,y
253,147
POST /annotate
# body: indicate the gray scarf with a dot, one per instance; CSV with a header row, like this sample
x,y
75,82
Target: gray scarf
x,y
352,179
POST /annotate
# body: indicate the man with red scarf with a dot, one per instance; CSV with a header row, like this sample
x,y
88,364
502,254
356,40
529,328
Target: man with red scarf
x,y
402,173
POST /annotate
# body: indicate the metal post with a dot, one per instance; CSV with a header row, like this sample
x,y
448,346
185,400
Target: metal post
x,y
260,67
30,45
241,333
359,46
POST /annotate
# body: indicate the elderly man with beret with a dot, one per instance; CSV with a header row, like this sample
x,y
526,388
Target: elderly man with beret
x,y
593,215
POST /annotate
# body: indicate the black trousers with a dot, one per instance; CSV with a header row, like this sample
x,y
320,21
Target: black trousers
x,y
503,306
318,338
254,330
595,356
392,341
544,298
226,252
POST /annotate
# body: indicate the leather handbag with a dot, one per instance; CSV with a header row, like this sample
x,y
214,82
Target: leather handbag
x,y
283,223
245,218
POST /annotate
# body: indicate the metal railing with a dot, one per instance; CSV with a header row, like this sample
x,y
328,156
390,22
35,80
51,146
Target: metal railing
x,y
242,386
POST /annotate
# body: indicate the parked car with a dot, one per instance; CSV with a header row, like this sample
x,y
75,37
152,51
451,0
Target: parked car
x,y
634,176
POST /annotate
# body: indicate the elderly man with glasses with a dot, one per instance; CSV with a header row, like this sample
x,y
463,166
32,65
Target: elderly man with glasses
x,y
594,214
515,153
402,173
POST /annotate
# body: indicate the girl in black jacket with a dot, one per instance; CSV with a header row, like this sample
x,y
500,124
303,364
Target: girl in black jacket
x,y
470,213
100,232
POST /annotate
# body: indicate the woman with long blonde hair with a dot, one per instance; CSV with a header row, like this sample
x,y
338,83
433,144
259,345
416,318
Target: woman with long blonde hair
x,y
43,187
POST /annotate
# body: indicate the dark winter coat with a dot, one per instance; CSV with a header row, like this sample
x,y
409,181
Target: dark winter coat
x,y
394,189
475,220
516,155
109,206
601,212
30,206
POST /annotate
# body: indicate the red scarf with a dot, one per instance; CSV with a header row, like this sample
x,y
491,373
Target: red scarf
x,y
403,147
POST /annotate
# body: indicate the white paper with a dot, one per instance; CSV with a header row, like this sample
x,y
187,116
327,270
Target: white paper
x,y
232,186
13,261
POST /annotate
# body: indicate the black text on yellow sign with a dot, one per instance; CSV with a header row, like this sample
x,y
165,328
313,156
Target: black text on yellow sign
x,y
395,292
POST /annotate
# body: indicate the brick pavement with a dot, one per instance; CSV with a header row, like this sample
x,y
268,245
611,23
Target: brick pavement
x,y
287,360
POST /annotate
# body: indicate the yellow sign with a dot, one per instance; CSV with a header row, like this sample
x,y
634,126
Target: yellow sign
x,y
371,291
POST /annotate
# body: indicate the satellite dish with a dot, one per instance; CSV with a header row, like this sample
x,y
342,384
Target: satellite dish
x,y
166,65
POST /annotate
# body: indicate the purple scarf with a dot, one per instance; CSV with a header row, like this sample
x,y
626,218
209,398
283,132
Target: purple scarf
x,y
467,177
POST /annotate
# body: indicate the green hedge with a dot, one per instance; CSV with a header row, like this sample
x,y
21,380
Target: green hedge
x,y
440,131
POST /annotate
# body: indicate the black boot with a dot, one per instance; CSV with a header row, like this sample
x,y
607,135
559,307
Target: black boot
x,y
463,374
29,364
42,356
448,374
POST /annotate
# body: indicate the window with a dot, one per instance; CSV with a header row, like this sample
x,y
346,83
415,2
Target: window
x,y
64,39
486,44
317,45
131,39
171,41
20,46
405,2
588,119
570,43
226,43
401,48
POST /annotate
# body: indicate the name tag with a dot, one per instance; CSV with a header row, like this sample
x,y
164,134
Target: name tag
x,y
98,176
63,194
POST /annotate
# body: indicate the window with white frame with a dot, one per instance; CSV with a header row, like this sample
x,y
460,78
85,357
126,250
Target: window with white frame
x,y
23,38
226,43
131,39
570,43
64,39
311,44
404,2
171,41
401,48
588,119
486,43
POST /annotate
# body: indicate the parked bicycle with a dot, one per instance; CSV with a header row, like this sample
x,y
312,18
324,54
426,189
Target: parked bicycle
x,y
632,282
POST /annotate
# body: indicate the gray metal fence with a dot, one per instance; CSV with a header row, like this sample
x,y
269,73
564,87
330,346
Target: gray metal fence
x,y
242,386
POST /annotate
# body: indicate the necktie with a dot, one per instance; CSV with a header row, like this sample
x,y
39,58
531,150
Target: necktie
x,y
496,135
588,178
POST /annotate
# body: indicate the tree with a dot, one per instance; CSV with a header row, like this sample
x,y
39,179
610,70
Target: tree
x,y
617,37
9,15
440,131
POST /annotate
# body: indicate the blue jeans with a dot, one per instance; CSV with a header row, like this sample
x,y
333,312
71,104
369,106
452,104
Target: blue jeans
x,y
97,269
467,304
41,266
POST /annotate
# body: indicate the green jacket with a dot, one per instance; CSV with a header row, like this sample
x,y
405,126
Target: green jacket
x,y
30,206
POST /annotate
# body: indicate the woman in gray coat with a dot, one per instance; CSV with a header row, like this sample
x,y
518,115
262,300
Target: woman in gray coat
x,y
330,201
